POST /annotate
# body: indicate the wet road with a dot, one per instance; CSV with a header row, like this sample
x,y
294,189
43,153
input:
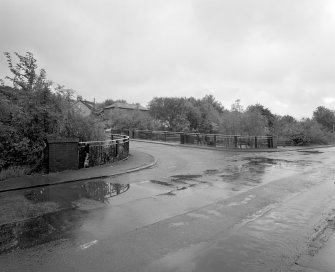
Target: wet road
x,y
197,210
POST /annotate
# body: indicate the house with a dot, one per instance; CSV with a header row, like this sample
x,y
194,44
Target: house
x,y
123,108
84,107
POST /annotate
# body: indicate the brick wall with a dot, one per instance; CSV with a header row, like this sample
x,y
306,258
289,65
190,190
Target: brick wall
x,y
62,154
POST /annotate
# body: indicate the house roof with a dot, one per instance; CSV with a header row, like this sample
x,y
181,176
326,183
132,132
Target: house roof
x,y
119,105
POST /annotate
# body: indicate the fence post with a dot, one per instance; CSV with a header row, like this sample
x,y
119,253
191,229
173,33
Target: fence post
x,y
164,136
116,149
182,138
214,140
256,142
235,141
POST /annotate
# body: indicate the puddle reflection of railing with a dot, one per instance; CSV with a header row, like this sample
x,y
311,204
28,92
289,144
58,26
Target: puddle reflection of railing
x,y
98,190
101,191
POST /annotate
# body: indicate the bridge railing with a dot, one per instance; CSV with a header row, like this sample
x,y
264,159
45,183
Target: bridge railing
x,y
96,153
218,140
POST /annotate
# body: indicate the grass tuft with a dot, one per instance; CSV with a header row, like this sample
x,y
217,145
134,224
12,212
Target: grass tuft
x,y
14,171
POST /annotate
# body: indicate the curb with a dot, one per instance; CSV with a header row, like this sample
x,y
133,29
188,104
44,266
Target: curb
x,y
84,179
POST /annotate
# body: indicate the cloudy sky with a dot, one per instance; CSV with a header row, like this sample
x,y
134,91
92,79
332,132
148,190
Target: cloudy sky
x,y
277,53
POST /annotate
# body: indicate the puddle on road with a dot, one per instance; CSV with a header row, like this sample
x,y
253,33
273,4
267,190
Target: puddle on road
x,y
252,171
239,175
211,171
42,229
185,177
307,152
66,194
159,182
60,222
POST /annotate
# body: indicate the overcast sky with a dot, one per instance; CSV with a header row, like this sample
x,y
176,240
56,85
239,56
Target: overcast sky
x,y
277,53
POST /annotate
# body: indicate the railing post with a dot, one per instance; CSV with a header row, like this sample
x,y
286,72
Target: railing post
x,y
256,142
164,136
235,141
214,140
116,149
182,138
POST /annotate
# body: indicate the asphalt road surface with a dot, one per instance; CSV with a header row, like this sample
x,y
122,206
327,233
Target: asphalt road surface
x,y
196,210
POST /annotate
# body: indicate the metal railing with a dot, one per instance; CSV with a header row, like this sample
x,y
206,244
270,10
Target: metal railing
x,y
218,140
228,141
96,153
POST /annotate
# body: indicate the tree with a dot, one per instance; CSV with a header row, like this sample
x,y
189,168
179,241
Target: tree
x,y
171,111
211,111
254,122
267,114
31,111
24,72
325,117
236,106
119,120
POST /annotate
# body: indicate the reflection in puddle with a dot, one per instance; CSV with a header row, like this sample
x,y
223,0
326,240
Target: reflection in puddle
x,y
101,191
66,194
63,221
254,170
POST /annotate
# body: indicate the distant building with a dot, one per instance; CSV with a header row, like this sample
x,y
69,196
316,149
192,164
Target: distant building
x,y
123,108
83,107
